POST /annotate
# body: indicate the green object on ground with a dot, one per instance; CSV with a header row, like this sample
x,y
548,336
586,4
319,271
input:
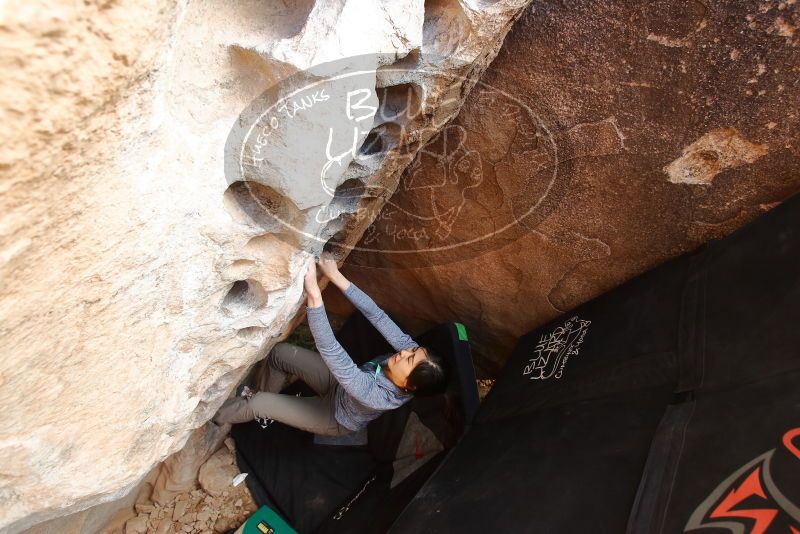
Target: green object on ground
x,y
462,332
266,521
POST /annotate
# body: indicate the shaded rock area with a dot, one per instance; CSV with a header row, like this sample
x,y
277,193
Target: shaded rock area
x,y
607,137
216,506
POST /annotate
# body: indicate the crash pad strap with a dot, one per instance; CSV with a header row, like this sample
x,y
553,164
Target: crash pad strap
x,y
650,506
692,326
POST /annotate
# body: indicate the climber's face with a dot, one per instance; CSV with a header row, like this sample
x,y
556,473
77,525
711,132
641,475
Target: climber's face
x,y
402,363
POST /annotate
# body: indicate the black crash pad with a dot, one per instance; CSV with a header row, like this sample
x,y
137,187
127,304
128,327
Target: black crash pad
x,y
670,404
333,488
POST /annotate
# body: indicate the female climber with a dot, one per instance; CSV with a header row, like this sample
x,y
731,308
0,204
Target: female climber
x,y
349,396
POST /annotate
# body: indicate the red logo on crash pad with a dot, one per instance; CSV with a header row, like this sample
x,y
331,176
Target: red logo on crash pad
x,y
761,497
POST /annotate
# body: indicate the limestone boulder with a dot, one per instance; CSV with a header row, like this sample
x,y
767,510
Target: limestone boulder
x,y
140,278
607,137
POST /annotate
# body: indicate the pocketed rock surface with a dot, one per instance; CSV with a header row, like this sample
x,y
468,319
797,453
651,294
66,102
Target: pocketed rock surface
x,y
141,276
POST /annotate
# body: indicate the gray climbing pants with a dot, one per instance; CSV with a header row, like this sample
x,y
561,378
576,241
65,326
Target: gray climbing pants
x,y
312,414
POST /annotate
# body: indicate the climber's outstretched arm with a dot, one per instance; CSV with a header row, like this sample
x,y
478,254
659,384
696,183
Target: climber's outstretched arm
x,y
359,384
398,339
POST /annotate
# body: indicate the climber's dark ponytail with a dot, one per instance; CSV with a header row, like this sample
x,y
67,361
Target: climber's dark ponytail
x,y
429,376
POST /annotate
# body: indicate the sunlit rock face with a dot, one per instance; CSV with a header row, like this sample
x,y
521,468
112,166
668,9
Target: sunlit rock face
x,y
605,138
140,279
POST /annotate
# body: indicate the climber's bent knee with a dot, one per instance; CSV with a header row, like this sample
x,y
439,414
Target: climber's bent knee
x,y
234,411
